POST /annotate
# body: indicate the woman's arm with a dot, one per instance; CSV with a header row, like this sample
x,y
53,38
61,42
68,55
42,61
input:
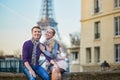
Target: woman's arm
x,y
45,52
50,60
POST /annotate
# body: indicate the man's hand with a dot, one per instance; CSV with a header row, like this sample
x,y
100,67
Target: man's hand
x,y
30,69
32,73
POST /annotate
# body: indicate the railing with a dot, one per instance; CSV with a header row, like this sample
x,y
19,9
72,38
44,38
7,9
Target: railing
x,y
11,66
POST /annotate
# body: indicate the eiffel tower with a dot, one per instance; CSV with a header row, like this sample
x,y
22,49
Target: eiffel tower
x,y
47,17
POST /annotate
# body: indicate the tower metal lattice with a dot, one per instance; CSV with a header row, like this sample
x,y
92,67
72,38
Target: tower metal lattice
x,y
47,17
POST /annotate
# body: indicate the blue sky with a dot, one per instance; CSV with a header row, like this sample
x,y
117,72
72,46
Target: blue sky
x,y
17,17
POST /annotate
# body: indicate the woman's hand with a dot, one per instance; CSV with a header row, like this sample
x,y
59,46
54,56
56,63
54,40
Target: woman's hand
x,y
56,67
42,47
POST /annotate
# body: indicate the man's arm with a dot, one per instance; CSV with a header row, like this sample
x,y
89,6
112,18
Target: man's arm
x,y
25,59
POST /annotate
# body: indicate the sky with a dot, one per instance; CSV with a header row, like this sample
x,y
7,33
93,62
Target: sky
x,y
17,17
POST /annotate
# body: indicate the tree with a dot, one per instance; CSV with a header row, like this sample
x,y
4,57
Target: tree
x,y
17,53
1,52
75,39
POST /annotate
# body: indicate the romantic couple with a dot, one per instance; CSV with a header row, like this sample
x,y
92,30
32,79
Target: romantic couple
x,y
51,49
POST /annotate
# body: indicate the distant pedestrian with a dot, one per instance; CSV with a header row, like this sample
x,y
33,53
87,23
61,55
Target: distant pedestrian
x,y
105,66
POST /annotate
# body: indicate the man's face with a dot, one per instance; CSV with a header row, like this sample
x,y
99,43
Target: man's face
x,y
36,34
49,34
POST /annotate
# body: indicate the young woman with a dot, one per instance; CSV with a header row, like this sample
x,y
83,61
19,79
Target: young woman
x,y
53,46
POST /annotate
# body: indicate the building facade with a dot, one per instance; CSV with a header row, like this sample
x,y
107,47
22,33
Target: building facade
x,y
100,34
74,52
74,58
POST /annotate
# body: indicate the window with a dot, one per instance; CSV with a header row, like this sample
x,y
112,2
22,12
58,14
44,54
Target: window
x,y
88,55
116,3
96,6
74,56
117,26
117,52
97,54
97,30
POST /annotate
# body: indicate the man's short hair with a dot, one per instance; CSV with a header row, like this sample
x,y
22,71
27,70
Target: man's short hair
x,y
35,27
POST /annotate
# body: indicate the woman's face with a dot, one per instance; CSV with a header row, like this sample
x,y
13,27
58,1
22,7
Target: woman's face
x,y
49,34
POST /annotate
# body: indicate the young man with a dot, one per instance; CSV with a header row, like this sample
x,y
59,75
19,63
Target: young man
x,y
30,56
